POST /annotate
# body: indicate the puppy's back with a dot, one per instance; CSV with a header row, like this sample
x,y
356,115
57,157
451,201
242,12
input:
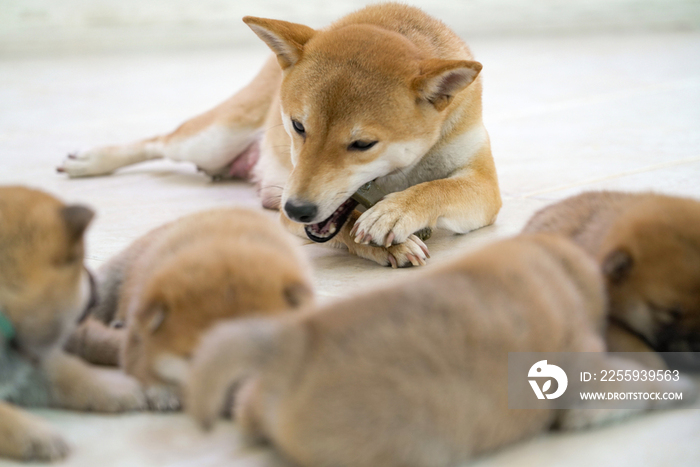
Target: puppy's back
x,y
425,361
584,218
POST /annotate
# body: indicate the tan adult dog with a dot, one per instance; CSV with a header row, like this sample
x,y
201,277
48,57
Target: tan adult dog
x,y
648,246
386,94
162,292
44,288
415,374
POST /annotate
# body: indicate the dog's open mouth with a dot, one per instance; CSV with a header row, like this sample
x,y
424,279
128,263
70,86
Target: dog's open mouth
x,y
329,228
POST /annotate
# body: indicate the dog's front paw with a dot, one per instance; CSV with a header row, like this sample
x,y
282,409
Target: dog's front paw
x,y
100,390
114,392
86,163
412,252
44,444
389,222
27,438
163,399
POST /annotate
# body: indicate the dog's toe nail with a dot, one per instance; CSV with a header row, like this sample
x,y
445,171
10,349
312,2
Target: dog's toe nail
x,y
367,239
392,261
60,169
413,260
72,156
359,236
389,239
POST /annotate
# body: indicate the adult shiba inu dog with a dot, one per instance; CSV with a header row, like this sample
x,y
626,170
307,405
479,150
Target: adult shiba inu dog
x,y
386,94
648,246
162,292
44,288
415,374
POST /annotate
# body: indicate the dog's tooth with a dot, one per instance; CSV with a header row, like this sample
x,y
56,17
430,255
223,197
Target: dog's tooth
x,y
332,230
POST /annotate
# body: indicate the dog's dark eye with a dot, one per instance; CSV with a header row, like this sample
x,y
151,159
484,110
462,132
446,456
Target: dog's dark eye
x,y
361,145
299,128
676,313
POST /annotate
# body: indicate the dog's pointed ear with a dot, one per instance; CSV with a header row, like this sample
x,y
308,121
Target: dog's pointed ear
x,y
286,40
617,265
298,294
153,316
440,80
77,218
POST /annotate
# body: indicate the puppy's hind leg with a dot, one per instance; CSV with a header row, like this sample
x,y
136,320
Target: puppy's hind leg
x,y
212,140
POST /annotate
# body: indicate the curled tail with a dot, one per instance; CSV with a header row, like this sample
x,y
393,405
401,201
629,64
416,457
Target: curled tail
x,y
231,352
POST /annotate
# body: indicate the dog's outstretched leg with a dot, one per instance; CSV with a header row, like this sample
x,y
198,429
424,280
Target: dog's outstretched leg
x,y
213,140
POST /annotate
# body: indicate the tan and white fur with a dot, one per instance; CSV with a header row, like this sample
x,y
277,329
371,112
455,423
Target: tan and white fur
x,y
415,374
170,286
386,94
44,288
648,247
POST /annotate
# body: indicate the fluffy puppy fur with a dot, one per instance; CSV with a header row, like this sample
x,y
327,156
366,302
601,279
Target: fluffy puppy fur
x,y
414,374
648,247
174,283
44,287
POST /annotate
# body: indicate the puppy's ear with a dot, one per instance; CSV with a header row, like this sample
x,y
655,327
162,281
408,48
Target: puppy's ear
x,y
153,317
440,80
77,218
617,265
298,294
285,39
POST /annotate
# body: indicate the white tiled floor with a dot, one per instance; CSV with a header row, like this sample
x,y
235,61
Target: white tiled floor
x,y
565,114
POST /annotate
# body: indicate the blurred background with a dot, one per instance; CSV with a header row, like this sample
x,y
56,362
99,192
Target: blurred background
x,y
50,26
578,95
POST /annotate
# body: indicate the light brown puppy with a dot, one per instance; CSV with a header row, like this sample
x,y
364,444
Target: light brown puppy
x,y
648,246
386,94
415,374
174,283
44,288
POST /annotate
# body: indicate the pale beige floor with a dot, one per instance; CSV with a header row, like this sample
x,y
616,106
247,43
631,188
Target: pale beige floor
x,y
565,114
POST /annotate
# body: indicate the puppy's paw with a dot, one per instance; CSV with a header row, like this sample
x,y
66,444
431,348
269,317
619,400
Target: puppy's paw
x,y
163,399
32,439
98,161
412,252
101,390
115,392
391,221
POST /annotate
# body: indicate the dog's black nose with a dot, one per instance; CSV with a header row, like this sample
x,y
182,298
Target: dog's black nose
x,y
300,211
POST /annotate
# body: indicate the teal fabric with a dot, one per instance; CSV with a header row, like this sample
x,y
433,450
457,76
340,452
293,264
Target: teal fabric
x,y
7,330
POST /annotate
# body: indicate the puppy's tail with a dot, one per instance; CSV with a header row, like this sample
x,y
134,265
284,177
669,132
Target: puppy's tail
x,y
232,352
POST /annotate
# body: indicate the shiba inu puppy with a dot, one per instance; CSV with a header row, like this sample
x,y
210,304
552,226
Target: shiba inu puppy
x,y
415,374
168,287
386,94
648,246
44,288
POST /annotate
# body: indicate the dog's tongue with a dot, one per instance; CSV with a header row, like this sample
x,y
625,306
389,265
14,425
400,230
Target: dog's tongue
x,y
329,228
